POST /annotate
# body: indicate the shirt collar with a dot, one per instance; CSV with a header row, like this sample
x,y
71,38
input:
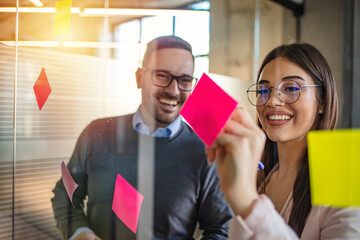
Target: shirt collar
x,y
166,132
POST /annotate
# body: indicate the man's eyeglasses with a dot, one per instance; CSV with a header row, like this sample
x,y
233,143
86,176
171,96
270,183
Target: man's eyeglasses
x,y
164,79
287,91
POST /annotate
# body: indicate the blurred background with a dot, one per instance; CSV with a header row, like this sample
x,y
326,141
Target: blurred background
x,y
91,71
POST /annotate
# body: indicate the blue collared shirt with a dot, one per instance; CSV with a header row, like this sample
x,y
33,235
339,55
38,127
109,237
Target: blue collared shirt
x,y
166,132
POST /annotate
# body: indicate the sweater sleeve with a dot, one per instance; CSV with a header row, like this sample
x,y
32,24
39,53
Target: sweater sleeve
x,y
213,212
70,216
264,222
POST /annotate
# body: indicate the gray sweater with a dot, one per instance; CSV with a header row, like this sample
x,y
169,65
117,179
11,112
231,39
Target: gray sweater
x,y
186,189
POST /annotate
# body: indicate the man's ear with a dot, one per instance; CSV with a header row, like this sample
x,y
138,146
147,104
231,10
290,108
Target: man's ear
x,y
138,74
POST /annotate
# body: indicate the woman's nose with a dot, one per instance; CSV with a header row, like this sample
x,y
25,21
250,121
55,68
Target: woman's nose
x,y
275,98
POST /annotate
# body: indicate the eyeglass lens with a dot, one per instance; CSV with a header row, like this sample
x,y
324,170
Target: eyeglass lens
x,y
164,79
287,91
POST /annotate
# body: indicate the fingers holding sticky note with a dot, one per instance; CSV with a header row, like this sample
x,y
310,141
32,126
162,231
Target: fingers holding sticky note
x,y
334,167
207,109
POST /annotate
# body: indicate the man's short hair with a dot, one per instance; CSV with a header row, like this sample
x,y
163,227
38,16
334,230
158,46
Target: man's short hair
x,y
163,42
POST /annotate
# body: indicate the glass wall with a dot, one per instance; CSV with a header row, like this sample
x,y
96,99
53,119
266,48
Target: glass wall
x,y
91,73
64,64
52,87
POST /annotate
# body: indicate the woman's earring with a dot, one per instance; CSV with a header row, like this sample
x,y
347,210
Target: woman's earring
x,y
321,111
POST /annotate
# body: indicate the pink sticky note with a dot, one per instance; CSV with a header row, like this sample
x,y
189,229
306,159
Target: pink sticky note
x,y
127,203
68,181
207,109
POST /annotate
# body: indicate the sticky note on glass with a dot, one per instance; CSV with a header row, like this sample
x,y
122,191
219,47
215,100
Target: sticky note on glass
x,y
42,89
62,18
127,203
68,181
334,165
207,109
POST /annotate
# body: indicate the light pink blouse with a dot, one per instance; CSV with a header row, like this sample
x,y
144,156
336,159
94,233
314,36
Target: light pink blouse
x,y
323,222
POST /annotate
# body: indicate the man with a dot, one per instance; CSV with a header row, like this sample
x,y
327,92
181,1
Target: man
x,y
180,188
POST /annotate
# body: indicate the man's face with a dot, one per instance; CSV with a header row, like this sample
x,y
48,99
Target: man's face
x,y
160,106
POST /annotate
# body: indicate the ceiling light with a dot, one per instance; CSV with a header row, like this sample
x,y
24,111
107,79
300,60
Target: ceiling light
x,y
35,10
32,43
37,3
100,12
89,44
70,44
135,12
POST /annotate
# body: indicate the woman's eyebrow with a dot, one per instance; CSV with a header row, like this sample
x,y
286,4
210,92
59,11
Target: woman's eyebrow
x,y
292,77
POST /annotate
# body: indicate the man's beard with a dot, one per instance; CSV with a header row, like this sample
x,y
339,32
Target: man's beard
x,y
160,118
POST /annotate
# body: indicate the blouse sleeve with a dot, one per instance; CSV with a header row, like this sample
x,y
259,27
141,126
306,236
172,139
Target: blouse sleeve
x,y
341,223
264,222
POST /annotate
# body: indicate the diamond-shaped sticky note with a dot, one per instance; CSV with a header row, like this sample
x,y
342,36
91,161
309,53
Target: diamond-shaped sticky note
x,y
207,109
127,203
42,89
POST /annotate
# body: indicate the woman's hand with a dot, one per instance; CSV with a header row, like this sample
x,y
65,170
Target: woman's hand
x,y
237,151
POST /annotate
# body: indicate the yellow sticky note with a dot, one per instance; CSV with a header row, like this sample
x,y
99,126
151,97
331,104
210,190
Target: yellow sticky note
x,y
62,18
334,164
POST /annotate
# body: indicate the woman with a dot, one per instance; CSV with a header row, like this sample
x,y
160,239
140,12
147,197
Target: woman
x,y
295,93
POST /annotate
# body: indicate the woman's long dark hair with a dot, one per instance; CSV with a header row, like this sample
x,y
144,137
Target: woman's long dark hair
x,y
313,62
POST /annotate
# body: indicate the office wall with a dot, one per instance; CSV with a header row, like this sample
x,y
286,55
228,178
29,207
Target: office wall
x,y
322,26
233,37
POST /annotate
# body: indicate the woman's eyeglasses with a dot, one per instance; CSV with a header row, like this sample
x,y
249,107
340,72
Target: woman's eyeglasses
x,y
287,91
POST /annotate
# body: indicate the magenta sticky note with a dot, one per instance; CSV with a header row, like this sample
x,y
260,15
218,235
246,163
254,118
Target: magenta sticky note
x,y
127,203
68,181
207,109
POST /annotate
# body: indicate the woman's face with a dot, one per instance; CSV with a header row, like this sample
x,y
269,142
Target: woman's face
x,y
287,122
